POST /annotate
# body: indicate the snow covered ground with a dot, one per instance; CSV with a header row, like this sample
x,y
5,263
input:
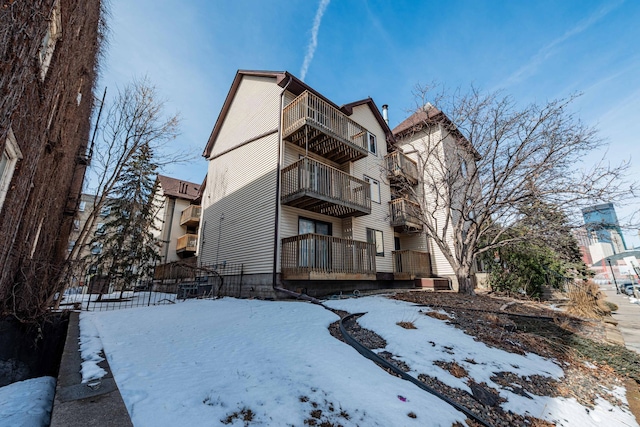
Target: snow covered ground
x,y
27,403
250,362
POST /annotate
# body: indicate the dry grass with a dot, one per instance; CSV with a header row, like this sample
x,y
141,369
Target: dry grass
x,y
406,325
437,315
453,368
587,301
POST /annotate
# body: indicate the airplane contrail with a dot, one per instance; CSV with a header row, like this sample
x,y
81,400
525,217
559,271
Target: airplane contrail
x,y
313,43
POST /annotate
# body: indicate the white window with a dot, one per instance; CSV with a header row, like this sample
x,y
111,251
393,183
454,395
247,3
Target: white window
x,y
54,32
10,156
82,206
72,243
76,224
371,142
375,237
106,210
375,189
96,248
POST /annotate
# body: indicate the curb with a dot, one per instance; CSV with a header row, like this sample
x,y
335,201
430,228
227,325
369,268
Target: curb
x,y
78,405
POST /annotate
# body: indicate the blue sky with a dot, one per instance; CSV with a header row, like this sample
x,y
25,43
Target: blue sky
x,y
533,50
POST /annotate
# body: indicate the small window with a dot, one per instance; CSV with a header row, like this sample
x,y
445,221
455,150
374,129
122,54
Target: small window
x,y
72,243
8,160
106,211
101,228
375,237
463,168
375,189
82,206
96,249
54,32
76,224
371,142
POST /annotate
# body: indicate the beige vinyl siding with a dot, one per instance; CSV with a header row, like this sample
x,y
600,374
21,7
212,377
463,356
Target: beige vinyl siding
x,y
440,265
254,111
289,221
292,154
241,184
372,166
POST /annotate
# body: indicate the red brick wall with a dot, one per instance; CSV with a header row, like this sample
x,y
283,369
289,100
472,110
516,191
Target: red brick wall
x,y
52,131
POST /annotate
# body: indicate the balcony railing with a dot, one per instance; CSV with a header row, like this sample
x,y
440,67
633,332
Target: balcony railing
x,y
405,215
409,265
313,186
187,243
399,166
190,216
309,121
315,256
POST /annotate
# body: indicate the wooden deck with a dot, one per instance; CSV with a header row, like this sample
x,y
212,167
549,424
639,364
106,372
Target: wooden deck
x,y
190,216
310,122
318,257
405,215
313,186
410,265
187,243
400,166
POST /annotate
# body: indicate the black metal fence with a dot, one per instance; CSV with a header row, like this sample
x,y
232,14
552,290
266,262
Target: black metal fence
x,y
172,283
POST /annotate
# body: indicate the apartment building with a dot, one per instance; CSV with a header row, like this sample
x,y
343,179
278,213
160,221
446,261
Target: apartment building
x,y
297,191
177,219
48,51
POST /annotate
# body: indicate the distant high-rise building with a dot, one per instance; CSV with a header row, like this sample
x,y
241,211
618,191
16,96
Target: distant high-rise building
x,y
602,224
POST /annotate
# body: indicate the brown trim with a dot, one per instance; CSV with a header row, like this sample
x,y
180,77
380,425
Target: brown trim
x,y
255,138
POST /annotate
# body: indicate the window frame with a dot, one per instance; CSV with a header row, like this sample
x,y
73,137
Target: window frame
x,y
371,181
51,37
13,156
370,137
372,237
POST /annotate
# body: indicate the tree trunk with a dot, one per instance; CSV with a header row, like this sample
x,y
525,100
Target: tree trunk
x,y
465,284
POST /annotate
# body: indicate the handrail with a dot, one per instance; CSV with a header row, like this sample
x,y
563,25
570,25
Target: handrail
x,y
327,254
404,211
311,108
412,262
187,241
193,211
399,164
311,176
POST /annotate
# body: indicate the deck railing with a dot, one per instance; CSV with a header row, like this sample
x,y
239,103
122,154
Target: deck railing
x,y
405,213
310,110
326,254
190,215
187,242
400,165
336,192
412,263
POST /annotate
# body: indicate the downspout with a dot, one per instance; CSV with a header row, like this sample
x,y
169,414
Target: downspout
x,y
167,241
276,225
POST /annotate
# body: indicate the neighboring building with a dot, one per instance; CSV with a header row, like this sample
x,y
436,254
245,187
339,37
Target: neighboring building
x,y
582,238
48,51
601,222
429,136
178,218
83,269
296,190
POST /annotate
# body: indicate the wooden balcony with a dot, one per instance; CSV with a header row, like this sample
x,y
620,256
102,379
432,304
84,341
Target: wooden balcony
x,y
318,257
190,216
405,215
328,132
400,167
410,265
313,186
187,243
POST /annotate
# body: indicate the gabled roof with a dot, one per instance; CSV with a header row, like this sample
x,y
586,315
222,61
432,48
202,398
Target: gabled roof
x,y
293,85
429,115
177,188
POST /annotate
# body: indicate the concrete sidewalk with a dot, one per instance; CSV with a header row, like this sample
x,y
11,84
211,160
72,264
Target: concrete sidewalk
x,y
627,316
80,405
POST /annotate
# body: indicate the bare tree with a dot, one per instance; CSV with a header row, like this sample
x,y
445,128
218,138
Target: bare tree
x,y
484,162
135,121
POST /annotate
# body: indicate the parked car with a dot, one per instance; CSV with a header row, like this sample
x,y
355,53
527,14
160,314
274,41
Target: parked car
x,y
629,290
